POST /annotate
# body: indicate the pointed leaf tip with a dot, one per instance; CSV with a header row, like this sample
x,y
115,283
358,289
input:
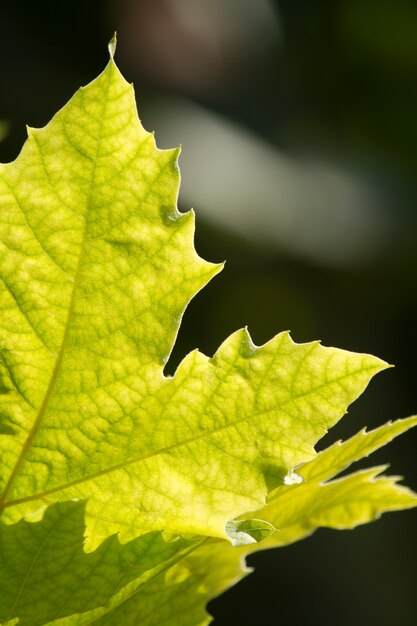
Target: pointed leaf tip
x,y
112,45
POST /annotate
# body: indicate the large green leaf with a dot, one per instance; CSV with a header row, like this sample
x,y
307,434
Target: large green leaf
x,y
97,266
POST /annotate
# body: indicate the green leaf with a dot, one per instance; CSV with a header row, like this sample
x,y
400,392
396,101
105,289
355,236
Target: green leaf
x,y
297,510
97,266
162,602
176,597
46,575
341,455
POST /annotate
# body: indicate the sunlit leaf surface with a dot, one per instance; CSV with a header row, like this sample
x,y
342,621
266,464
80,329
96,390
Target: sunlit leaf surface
x,y
97,266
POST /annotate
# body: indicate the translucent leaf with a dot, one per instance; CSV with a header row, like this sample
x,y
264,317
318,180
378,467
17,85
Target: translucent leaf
x,y
97,266
320,500
45,573
341,455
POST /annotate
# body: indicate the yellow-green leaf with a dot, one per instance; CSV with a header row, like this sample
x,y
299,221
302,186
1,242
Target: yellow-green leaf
x,y
97,266
321,500
45,574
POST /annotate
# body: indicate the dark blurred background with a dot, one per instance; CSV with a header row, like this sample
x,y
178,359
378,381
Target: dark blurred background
x,y
298,121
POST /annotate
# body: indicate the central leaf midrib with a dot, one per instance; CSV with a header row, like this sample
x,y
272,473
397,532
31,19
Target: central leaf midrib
x,y
50,389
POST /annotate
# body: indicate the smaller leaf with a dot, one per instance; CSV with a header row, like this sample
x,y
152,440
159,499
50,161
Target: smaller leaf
x,y
160,603
179,597
342,454
244,532
46,575
298,509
